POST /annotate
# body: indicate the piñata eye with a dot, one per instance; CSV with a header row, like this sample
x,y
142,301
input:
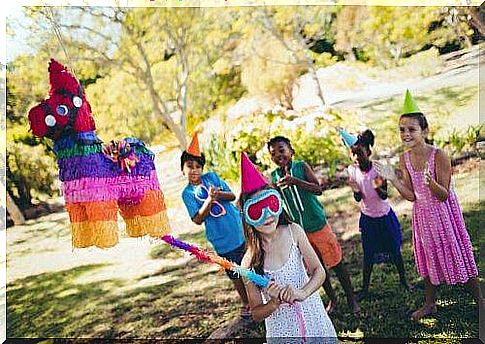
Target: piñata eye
x,y
77,101
50,120
62,110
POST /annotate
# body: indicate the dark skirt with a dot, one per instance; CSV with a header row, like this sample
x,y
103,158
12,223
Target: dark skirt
x,y
381,238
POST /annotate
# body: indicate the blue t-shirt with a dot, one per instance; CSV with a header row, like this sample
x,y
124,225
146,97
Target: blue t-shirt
x,y
225,233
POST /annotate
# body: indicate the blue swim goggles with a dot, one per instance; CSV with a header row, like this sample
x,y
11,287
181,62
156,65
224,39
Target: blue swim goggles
x,y
257,209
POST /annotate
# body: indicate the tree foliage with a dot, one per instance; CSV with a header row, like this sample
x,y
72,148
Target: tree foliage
x,y
158,73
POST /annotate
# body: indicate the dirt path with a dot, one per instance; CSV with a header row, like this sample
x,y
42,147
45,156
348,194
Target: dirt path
x,y
458,69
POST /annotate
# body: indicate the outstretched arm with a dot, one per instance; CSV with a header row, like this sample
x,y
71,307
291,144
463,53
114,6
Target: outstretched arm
x,y
403,185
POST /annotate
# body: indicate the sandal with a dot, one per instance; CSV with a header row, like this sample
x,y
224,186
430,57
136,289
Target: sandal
x,y
422,312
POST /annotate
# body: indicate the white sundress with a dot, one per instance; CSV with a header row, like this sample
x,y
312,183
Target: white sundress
x,y
303,322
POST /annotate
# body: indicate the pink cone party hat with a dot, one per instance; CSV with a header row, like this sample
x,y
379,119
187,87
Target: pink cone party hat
x,y
251,179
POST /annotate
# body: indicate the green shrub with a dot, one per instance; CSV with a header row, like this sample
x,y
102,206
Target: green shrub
x,y
460,141
30,173
313,139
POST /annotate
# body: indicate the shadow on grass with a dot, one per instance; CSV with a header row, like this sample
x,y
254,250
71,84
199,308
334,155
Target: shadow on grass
x,y
56,305
53,304
194,302
387,309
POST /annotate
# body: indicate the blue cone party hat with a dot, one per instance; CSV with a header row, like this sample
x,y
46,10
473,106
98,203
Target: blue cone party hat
x,y
348,139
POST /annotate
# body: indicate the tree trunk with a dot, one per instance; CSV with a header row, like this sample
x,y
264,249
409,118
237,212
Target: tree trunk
x,y
161,109
14,211
478,18
311,66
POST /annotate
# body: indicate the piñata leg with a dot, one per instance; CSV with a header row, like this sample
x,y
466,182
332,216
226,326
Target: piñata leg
x,y
147,217
94,223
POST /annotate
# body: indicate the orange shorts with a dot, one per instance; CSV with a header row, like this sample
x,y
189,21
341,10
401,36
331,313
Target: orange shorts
x,y
325,244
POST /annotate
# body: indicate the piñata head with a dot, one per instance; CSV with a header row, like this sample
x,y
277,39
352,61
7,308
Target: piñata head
x,y
66,111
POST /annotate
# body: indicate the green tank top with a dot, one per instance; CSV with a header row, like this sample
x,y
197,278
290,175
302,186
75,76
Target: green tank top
x,y
302,206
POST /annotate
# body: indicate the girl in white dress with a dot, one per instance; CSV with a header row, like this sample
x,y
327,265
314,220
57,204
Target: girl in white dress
x,y
291,306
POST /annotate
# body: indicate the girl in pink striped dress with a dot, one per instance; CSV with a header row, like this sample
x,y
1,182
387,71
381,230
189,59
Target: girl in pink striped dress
x,y
442,247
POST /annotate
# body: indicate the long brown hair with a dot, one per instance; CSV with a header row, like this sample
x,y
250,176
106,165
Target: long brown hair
x,y
254,242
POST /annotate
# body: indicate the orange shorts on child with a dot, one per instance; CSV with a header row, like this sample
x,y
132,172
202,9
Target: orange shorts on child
x,y
325,244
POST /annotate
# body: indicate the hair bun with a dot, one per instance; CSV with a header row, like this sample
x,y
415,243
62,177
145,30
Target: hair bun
x,y
367,138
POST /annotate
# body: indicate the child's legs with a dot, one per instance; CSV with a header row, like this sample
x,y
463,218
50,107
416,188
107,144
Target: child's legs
x,y
474,287
429,306
236,256
325,242
366,274
398,261
429,292
327,286
344,279
319,242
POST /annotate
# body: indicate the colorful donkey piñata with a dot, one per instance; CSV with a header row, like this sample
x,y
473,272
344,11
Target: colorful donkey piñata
x,y
95,183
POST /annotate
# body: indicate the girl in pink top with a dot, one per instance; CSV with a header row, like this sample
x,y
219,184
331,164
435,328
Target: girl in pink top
x,y
379,226
442,246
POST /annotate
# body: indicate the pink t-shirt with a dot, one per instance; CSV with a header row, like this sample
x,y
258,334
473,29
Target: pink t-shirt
x,y
371,204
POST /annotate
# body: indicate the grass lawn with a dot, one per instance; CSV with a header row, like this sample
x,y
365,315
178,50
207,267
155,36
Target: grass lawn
x,y
194,299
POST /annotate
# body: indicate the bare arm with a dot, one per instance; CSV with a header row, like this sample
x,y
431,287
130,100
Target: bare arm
x,y
259,310
314,268
203,212
358,196
403,185
440,186
226,196
311,183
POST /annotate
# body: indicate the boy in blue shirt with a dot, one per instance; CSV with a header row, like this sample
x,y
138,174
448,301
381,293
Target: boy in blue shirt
x,y
208,201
